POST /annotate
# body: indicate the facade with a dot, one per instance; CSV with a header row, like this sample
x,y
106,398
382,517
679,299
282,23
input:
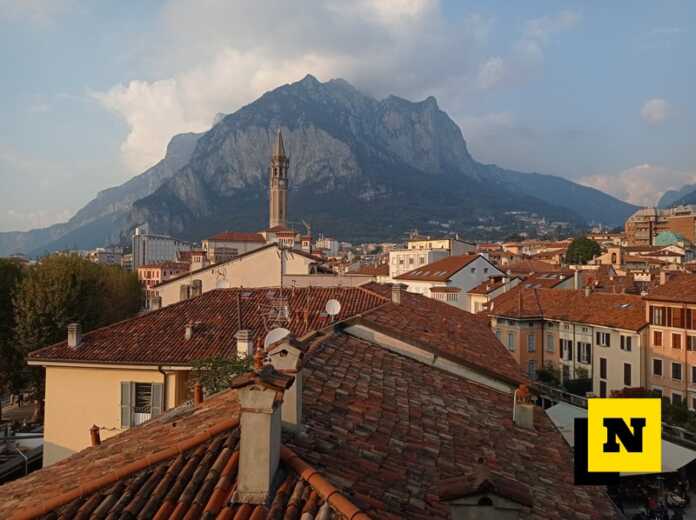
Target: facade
x,y
455,246
580,333
671,311
404,260
263,267
152,274
150,248
645,224
111,255
225,246
451,278
481,295
278,188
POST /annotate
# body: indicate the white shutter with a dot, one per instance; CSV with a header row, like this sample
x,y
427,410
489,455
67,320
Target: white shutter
x,y
157,404
126,404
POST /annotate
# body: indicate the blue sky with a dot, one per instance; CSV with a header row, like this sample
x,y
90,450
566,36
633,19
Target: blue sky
x,y
91,92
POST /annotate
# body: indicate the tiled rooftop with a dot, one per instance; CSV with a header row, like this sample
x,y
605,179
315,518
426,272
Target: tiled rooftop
x,y
158,337
680,288
610,310
441,270
528,266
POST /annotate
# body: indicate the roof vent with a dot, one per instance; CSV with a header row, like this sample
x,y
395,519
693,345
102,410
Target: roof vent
x,y
74,335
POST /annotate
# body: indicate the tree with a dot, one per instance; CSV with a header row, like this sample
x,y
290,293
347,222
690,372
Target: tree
x,y
582,250
214,374
66,288
10,360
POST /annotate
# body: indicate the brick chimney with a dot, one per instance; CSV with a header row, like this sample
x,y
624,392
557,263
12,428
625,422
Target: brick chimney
x,y
286,358
74,335
245,343
260,396
523,411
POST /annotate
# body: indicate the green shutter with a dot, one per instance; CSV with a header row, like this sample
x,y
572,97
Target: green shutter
x,y
126,404
157,404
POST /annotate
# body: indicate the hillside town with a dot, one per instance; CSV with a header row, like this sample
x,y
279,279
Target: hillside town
x,y
275,373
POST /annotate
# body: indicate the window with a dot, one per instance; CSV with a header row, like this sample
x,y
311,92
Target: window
x,y
676,341
658,315
531,343
676,398
473,270
657,367
485,270
566,346
584,353
531,369
603,368
511,341
691,343
550,347
693,374
657,338
627,374
410,260
676,371
140,402
602,389
626,343
604,339
497,334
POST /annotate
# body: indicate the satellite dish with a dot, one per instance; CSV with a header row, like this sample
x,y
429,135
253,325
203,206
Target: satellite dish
x,y
333,307
275,335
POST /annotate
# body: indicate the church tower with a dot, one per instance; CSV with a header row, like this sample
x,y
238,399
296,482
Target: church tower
x,y
278,193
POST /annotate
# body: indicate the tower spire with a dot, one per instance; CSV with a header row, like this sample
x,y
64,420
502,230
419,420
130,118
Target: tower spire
x,y
278,186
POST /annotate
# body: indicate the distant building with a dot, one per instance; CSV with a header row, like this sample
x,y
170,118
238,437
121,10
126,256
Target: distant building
x,y
227,245
110,255
149,248
646,224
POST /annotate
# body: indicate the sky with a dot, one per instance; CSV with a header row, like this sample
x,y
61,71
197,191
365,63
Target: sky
x,y
594,91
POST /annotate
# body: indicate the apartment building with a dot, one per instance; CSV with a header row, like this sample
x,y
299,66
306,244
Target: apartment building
x,y
227,245
149,248
645,224
583,334
671,310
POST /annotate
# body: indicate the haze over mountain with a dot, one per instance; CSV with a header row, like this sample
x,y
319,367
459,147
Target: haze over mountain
x,y
685,195
360,169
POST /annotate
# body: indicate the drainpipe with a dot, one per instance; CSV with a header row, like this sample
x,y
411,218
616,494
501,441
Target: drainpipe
x,y
573,351
164,387
686,356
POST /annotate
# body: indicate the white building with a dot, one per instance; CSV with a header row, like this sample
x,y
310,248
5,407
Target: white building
x,y
450,278
150,248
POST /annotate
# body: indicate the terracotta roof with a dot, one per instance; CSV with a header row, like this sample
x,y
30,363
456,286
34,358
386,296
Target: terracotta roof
x,y
158,337
372,270
180,465
528,266
279,229
445,330
390,429
445,289
547,280
679,288
622,311
237,236
441,270
490,285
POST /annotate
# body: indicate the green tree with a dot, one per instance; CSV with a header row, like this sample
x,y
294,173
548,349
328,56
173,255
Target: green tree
x,y
66,288
10,360
214,374
582,250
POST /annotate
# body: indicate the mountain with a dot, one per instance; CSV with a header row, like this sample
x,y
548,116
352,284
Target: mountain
x,y
360,169
673,197
101,221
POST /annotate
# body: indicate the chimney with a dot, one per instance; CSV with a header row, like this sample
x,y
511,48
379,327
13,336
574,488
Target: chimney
x,y
397,289
74,335
663,277
155,303
588,290
260,396
188,332
576,280
197,394
245,344
523,409
184,292
94,435
286,358
196,288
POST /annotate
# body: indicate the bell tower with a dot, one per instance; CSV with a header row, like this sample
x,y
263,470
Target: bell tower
x,y
278,189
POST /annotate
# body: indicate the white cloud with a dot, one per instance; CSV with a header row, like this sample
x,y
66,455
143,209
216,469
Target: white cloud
x,y
655,111
539,32
219,58
17,220
643,184
491,72
36,11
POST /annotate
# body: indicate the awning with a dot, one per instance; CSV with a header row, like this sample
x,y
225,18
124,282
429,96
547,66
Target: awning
x,y
563,416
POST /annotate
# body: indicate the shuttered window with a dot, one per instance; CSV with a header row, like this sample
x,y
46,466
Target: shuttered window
x,y
140,402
